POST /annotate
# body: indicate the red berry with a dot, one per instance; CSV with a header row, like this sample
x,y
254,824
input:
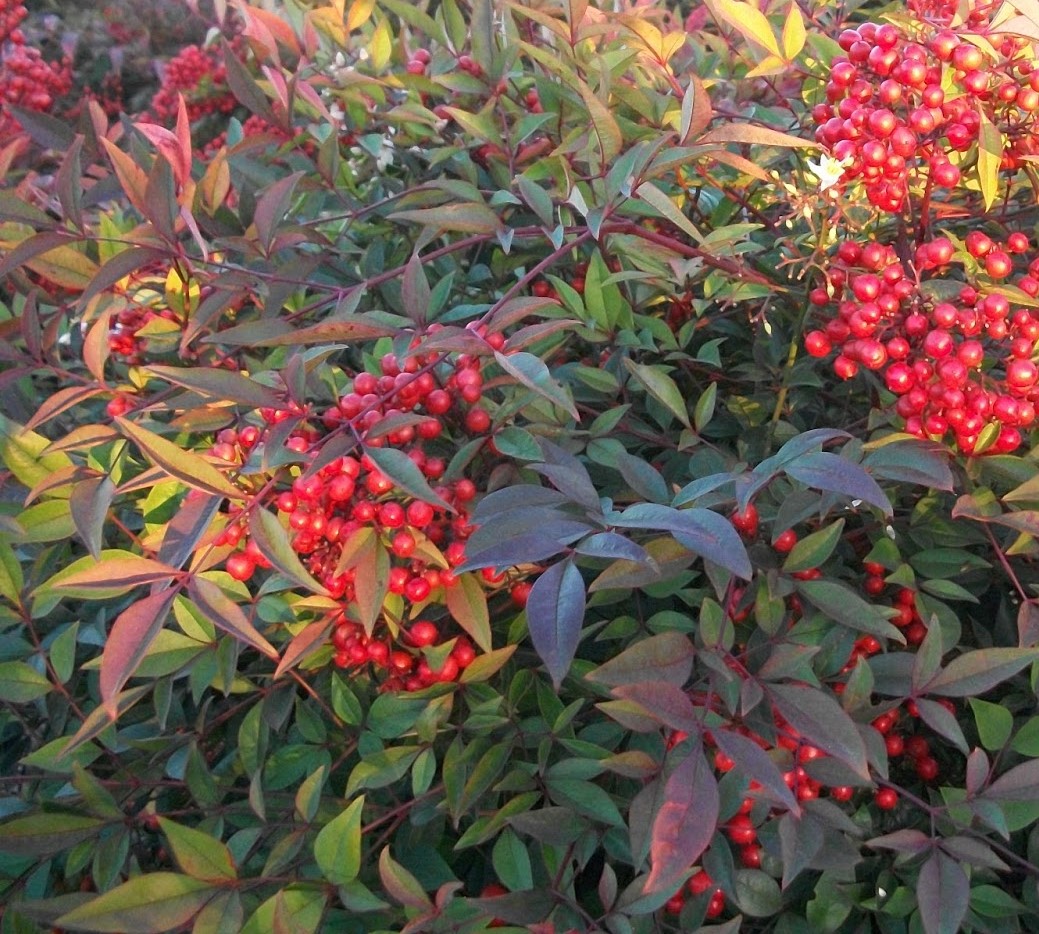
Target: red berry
x,y
886,799
240,566
423,633
745,521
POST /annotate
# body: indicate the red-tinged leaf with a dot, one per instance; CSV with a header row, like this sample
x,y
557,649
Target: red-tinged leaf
x,y
400,884
115,573
531,334
467,603
272,207
220,384
132,178
307,641
822,721
470,218
61,401
244,87
401,469
128,642
755,763
186,466
354,328
96,344
555,614
272,539
227,615
47,834
974,673
86,436
824,471
1021,783
153,903
166,142
664,657
187,527
88,504
663,701
685,823
268,30
943,894
516,309
530,371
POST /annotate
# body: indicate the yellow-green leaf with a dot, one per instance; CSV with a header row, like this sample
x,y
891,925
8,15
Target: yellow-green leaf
x,y
337,848
990,155
198,854
749,22
794,34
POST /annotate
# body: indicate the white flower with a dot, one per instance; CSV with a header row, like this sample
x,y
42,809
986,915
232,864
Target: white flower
x,y
828,170
385,156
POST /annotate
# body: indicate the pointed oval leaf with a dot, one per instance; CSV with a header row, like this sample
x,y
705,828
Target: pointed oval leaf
x,y
943,894
401,884
821,720
530,371
401,469
975,672
220,384
467,603
20,683
824,471
685,823
149,904
337,847
555,613
186,466
755,763
198,854
272,539
664,657
128,642
114,574
660,386
227,615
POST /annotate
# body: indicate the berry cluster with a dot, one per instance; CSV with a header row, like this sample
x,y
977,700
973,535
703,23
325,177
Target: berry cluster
x,y
12,12
898,105
959,369
28,80
330,508
200,76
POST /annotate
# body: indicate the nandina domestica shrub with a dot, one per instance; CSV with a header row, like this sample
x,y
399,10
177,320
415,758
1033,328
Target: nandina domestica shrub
x,y
532,467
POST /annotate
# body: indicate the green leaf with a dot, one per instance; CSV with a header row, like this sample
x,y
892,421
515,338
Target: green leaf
x,y
995,723
812,550
20,683
198,854
990,157
337,847
401,469
661,387
667,209
840,603
470,218
222,385
48,833
150,904
22,454
467,603
226,615
272,539
293,910
531,372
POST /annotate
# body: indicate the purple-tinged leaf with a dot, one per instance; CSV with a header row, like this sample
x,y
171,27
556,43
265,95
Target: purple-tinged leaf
x,y
800,840
400,884
665,702
943,894
520,497
59,402
664,657
824,471
685,823
414,291
555,613
1028,624
119,267
972,851
755,763
978,770
306,642
525,908
906,841
185,530
568,475
914,460
612,545
974,673
942,722
227,615
220,384
272,207
128,641
1021,783
822,721
523,549
116,573
700,530
88,505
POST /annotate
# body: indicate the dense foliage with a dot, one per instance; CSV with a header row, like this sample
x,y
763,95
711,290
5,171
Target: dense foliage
x,y
523,465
